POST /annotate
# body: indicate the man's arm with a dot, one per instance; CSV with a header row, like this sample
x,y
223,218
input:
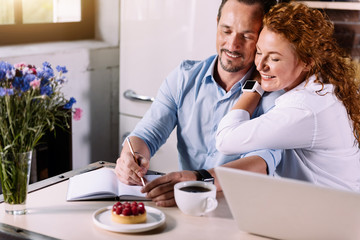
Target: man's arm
x,y
151,132
161,190
127,169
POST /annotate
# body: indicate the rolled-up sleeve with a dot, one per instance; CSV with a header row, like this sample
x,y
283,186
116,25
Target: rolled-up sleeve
x,y
272,157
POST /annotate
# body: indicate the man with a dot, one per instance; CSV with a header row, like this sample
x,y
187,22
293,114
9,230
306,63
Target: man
x,y
194,97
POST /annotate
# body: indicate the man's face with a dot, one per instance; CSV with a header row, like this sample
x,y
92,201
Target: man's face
x,y
237,32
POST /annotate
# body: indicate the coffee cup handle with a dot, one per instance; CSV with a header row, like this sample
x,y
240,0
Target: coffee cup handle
x,y
211,204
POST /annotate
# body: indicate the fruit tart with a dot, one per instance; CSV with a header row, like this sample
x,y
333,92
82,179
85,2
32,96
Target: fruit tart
x,y
128,213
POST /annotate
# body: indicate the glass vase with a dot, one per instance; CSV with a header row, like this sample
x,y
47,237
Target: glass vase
x,y
14,175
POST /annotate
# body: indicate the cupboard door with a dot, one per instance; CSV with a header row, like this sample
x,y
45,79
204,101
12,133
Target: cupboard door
x,y
155,36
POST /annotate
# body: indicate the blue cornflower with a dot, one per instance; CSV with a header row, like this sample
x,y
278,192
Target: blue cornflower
x,y
27,80
5,66
18,82
46,90
2,92
69,104
2,74
10,91
61,79
44,82
10,73
23,82
46,64
46,71
4,69
61,69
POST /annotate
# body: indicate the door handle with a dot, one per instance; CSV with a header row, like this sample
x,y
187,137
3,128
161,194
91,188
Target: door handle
x,y
131,95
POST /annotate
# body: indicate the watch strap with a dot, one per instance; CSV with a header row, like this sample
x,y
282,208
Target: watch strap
x,y
203,175
259,89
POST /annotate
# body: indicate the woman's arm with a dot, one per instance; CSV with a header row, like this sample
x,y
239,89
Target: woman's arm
x,y
251,163
248,101
280,128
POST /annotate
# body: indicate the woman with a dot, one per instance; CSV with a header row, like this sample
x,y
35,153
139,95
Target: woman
x,y
317,120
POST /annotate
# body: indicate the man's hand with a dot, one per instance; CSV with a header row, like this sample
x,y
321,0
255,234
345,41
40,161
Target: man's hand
x,y
127,169
161,190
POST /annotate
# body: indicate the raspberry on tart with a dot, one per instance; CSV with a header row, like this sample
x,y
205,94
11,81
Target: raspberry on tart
x,y
128,213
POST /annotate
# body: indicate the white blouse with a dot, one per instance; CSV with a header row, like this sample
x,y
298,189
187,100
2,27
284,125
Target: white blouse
x,y
313,129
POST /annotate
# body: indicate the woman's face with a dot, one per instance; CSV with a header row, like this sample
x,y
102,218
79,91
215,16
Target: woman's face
x,y
277,62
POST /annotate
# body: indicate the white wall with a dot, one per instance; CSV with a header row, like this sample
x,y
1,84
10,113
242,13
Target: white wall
x,y
93,80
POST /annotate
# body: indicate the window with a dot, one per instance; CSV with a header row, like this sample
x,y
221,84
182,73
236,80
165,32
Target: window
x,y
28,21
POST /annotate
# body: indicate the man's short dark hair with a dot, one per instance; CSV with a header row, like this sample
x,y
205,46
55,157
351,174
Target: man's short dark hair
x,y
266,4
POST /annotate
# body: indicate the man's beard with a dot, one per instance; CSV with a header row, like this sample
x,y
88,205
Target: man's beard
x,y
229,66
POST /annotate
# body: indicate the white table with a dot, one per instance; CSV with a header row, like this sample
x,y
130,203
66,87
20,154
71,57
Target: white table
x,y
51,216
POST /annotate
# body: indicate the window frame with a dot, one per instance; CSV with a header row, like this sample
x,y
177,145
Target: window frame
x,y
20,33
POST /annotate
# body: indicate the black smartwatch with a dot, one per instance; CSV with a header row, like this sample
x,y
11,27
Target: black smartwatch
x,y
203,175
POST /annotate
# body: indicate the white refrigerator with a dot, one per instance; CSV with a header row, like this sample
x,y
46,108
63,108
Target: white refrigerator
x,y
155,36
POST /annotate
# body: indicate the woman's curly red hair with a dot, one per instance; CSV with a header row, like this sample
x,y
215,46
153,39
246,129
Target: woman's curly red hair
x,y
312,35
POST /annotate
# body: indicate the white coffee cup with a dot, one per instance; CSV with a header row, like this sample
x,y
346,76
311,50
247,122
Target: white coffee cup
x,y
195,197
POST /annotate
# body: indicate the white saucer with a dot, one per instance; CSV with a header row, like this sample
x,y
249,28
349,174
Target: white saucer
x,y
102,219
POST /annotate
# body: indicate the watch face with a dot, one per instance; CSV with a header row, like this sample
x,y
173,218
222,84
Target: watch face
x,y
249,85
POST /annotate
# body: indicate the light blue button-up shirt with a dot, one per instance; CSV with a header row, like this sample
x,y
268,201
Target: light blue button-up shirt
x,y
191,100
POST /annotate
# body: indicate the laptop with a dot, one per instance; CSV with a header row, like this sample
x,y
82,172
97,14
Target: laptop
x,y
289,209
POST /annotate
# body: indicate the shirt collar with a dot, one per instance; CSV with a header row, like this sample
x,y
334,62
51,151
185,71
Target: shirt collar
x,y
209,75
311,84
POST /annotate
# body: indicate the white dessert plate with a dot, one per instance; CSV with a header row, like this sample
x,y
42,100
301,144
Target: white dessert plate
x,y
154,219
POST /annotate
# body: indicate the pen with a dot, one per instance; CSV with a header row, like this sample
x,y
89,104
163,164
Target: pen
x,y
132,152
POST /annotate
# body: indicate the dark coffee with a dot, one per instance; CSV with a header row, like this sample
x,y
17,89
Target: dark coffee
x,y
194,189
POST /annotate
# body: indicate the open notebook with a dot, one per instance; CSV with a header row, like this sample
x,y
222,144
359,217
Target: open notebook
x,y
103,183
289,209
